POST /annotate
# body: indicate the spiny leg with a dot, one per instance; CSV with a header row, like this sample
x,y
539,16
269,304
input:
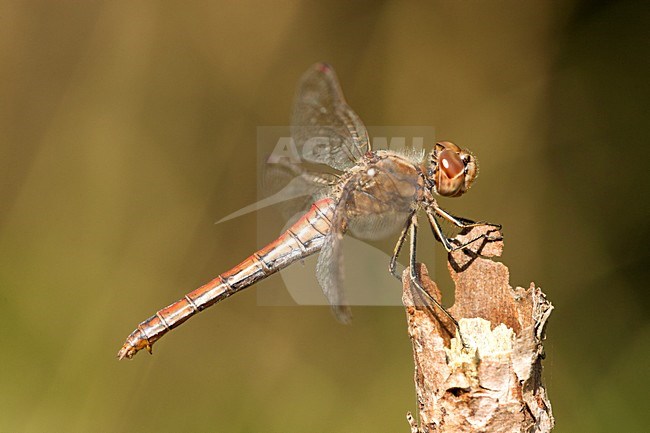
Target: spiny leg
x,y
459,222
416,279
398,247
437,231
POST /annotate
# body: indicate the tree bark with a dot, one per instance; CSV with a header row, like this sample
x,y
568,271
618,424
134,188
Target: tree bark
x,y
494,385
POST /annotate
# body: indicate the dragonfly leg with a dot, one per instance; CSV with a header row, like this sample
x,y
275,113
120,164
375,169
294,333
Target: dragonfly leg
x,y
459,222
415,279
398,246
437,231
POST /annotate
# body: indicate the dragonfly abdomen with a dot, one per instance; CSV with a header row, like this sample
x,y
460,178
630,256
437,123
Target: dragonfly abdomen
x,y
302,239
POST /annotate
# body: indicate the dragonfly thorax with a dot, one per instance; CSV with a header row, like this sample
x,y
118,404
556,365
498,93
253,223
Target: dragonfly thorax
x,y
383,182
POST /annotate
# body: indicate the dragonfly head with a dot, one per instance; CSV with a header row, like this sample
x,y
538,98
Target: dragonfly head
x,y
452,169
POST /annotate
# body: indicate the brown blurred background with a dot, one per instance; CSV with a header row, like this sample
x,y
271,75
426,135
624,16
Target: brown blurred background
x,y
128,128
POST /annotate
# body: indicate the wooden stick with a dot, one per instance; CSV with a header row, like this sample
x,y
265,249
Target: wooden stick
x,y
495,385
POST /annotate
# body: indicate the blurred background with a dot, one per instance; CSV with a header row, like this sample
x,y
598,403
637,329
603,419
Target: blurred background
x,y
128,128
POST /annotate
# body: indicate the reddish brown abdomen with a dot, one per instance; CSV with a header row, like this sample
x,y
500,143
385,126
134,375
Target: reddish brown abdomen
x,y
302,239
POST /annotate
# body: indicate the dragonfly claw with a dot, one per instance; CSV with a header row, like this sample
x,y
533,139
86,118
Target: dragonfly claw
x,y
133,344
127,351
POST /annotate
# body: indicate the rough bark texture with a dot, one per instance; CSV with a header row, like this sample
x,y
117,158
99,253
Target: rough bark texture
x,y
496,384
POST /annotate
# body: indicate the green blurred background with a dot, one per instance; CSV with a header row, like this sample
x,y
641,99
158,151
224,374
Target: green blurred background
x,y
128,128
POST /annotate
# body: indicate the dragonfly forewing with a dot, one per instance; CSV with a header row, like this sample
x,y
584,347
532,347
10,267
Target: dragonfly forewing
x,y
323,125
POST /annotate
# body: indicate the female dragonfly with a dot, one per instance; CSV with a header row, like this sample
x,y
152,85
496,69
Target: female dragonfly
x,y
372,189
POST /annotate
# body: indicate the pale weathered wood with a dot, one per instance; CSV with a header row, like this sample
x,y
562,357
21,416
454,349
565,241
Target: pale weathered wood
x,y
495,385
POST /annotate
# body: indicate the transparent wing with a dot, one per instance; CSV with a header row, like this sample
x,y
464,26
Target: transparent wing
x,y
283,173
294,186
329,268
377,226
324,126
291,186
329,272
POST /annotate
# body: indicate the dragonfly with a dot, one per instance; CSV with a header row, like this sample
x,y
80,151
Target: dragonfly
x,y
372,191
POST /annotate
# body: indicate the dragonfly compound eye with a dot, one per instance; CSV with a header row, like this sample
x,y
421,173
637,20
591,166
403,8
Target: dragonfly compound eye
x,y
451,164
